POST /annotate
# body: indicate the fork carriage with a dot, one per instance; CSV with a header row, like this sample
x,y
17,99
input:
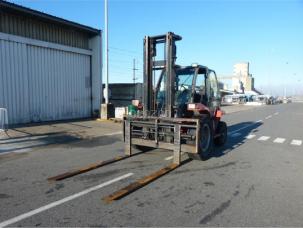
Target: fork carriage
x,y
176,134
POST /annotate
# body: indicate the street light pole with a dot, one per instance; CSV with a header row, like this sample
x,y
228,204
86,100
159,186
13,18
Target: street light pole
x,y
106,50
107,109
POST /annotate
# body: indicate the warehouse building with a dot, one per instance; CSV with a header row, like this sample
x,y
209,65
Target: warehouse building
x,y
50,68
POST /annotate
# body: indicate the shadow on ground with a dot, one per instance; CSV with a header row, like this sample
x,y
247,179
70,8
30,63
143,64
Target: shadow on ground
x,y
23,144
75,122
237,137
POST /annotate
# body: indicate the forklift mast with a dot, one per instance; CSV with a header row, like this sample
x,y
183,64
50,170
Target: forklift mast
x,y
167,65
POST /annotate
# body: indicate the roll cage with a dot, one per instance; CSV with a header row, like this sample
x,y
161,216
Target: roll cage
x,y
190,92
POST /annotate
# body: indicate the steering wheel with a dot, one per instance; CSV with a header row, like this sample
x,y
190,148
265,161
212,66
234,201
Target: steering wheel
x,y
183,86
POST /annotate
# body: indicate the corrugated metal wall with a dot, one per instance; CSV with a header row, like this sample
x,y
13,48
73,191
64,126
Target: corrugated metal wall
x,y
29,27
59,84
14,81
41,84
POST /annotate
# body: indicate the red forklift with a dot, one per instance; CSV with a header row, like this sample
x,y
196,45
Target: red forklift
x,y
181,105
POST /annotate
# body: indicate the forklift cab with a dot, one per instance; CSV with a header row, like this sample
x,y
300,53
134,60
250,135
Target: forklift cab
x,y
193,84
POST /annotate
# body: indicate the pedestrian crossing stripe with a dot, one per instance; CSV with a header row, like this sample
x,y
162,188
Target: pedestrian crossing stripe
x,y
263,138
296,142
279,140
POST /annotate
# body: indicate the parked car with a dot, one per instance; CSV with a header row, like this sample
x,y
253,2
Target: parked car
x,y
286,100
234,99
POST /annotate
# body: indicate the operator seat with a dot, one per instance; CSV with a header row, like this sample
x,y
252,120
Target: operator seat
x,y
200,97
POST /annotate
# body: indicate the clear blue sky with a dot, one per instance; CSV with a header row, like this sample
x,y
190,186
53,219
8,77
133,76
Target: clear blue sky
x,y
218,34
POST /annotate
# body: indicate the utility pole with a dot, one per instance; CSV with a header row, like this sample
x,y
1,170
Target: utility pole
x,y
107,109
134,76
106,50
134,71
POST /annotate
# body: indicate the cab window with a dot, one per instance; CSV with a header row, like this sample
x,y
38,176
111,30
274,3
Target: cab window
x,y
199,90
212,87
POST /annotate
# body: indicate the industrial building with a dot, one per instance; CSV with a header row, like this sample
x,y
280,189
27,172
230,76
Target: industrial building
x,y
122,94
50,68
242,79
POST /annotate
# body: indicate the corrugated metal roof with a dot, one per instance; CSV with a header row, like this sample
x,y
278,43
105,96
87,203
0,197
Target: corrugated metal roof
x,y
47,17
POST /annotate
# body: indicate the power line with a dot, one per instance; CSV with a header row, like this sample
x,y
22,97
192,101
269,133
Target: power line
x,y
120,60
124,50
119,67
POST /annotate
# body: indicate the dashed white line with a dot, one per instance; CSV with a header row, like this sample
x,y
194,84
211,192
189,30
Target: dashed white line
x,y
263,138
64,200
276,113
250,136
267,117
296,142
279,140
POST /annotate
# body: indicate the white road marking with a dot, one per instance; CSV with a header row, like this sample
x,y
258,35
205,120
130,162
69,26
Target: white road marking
x,y
250,136
263,138
246,126
267,117
14,147
33,138
171,157
276,113
64,200
296,142
114,133
26,138
235,135
16,151
25,144
279,140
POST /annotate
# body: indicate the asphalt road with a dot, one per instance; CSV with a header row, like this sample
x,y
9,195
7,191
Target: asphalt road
x,y
255,180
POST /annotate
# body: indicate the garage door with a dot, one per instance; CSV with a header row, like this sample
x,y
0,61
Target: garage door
x,y
43,84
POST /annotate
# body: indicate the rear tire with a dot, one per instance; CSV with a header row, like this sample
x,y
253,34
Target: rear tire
x,y
206,141
222,130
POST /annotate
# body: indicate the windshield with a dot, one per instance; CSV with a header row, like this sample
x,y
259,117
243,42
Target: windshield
x,y
183,89
190,86
184,84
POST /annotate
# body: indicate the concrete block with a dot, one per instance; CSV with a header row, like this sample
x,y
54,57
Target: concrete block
x,y
107,111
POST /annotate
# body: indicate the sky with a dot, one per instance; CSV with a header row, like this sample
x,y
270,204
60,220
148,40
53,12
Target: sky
x,y
216,33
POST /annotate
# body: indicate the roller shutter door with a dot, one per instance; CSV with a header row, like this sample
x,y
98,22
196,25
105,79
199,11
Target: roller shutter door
x,y
43,84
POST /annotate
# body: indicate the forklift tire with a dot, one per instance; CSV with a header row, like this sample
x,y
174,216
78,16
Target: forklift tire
x,y
206,141
222,130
